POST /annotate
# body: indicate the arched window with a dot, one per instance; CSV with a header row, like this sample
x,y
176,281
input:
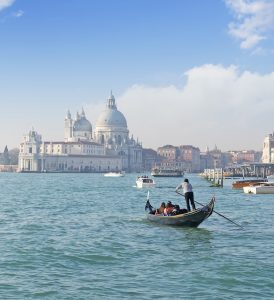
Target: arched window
x,y
119,140
102,139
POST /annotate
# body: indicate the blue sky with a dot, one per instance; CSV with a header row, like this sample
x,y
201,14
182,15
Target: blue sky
x,y
182,71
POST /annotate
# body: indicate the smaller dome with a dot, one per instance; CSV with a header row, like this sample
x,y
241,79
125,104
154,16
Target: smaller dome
x,y
82,125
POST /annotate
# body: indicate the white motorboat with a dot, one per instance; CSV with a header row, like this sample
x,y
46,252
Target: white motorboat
x,y
115,174
260,188
145,182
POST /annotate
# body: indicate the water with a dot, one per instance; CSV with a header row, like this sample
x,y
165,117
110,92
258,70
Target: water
x,y
85,236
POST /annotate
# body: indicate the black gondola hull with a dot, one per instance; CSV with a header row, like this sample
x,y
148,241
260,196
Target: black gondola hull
x,y
190,219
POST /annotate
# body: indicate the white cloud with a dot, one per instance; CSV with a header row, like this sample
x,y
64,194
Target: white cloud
x,y
5,3
217,105
18,14
253,21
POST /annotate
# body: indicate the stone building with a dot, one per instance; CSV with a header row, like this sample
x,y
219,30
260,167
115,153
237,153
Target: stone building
x,y
268,149
108,149
111,131
150,159
191,155
245,156
184,157
169,152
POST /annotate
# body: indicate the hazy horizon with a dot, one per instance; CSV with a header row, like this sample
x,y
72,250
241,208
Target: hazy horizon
x,y
183,72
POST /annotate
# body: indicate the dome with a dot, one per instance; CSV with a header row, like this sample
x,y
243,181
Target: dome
x,y
82,125
111,116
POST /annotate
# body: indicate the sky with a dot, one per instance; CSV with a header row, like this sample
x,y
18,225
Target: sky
x,y
183,72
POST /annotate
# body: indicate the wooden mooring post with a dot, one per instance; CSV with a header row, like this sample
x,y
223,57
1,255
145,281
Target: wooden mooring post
x,y
216,176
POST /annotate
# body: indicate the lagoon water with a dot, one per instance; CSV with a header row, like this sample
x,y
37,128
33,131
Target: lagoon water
x,y
85,236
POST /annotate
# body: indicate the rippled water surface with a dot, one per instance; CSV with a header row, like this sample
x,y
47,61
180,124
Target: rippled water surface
x,y
85,236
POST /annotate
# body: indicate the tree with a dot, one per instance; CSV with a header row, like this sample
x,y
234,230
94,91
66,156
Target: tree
x,y
6,157
13,154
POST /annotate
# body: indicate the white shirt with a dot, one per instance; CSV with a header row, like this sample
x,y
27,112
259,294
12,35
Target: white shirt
x,y
186,186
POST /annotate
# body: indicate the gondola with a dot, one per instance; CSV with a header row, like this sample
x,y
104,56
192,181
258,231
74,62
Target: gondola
x,y
190,219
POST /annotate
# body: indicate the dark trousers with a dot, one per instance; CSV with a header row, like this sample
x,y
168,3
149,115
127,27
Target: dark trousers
x,y
189,196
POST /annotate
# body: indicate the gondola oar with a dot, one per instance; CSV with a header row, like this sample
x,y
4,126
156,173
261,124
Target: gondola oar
x,y
215,212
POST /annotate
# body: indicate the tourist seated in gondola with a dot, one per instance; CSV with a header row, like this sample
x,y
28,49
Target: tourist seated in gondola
x,y
177,210
169,208
160,210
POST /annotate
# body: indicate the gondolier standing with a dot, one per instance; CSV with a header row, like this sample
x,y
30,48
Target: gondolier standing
x,y
189,196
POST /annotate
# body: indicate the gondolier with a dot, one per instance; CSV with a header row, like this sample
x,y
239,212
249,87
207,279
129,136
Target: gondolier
x,y
188,192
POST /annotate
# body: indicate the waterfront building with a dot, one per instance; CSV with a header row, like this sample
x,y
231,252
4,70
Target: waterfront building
x,y
191,154
212,159
111,131
268,149
150,159
110,149
184,157
169,152
206,160
245,156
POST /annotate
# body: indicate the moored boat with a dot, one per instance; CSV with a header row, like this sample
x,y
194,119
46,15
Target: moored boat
x,y
239,184
227,174
260,188
144,182
115,174
270,177
190,219
158,172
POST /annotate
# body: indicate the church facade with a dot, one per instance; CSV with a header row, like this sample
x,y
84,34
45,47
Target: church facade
x,y
107,148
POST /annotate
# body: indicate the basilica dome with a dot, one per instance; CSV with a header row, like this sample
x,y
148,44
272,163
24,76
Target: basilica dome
x,y
82,125
111,116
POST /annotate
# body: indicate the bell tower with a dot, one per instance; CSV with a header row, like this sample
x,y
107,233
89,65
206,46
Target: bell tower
x,y
68,126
